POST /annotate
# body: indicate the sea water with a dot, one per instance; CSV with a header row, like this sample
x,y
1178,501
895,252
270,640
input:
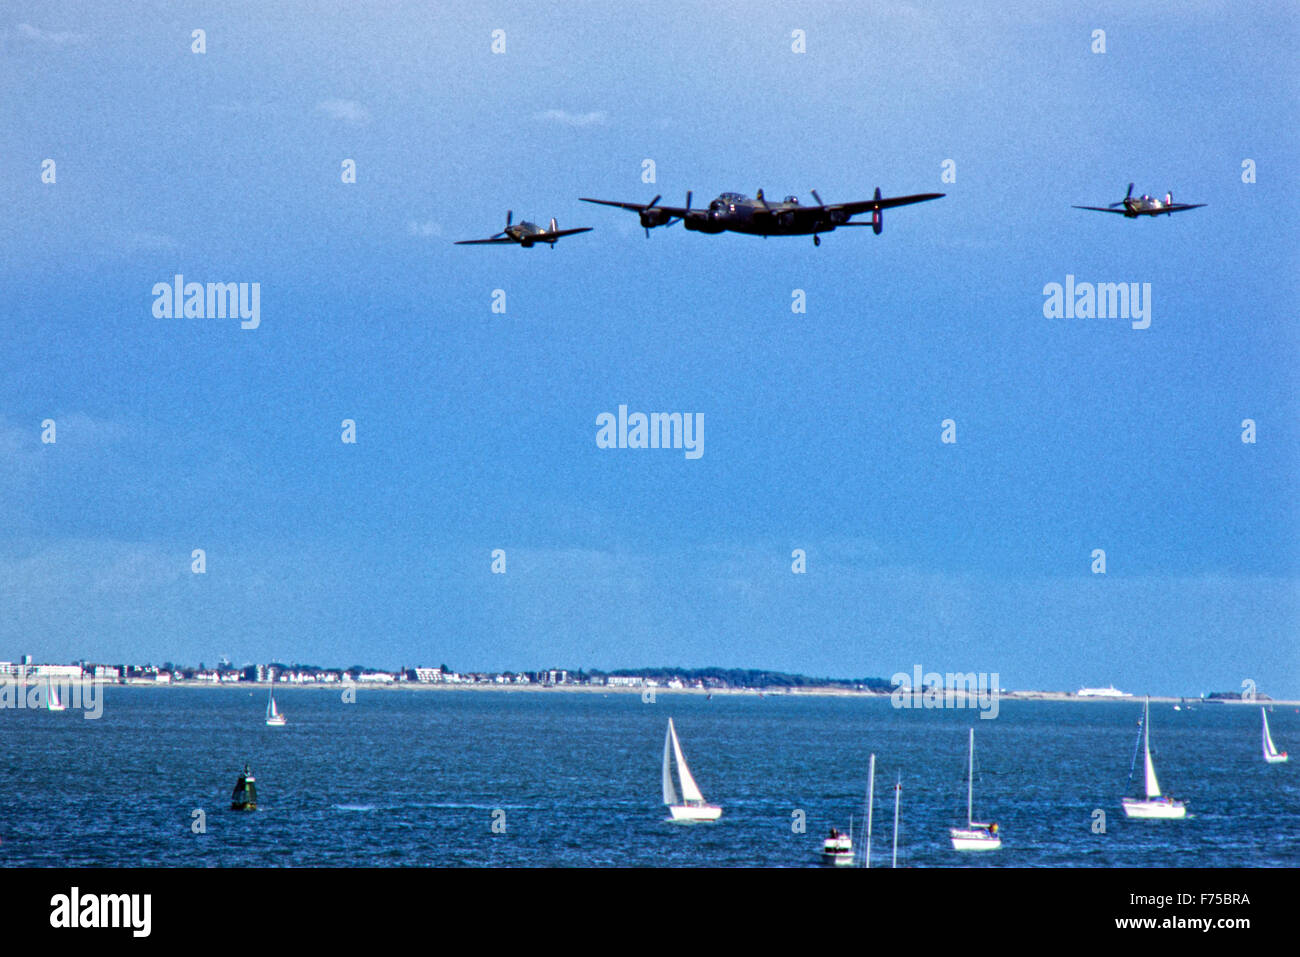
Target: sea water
x,y
554,778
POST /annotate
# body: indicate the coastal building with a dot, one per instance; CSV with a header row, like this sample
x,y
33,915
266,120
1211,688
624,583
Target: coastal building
x,y
54,672
1110,692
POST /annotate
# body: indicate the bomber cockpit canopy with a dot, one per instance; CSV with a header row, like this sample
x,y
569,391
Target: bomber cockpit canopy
x,y
792,200
731,199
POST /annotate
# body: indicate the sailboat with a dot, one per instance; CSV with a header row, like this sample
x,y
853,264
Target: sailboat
x,y
1271,754
274,717
692,807
975,836
837,850
52,702
1155,805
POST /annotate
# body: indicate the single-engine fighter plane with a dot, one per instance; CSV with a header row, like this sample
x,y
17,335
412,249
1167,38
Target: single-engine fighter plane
x,y
1135,206
736,213
525,233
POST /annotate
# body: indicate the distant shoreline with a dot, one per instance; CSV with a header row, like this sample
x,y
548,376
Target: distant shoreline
x,y
661,690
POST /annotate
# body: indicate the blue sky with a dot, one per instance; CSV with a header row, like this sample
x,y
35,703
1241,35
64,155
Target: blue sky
x,y
822,430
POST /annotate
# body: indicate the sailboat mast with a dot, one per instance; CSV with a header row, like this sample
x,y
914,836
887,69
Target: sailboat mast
x,y
871,795
898,790
970,779
1146,744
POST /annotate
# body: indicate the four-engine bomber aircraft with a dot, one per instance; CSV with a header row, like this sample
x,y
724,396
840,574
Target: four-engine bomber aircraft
x,y
1134,206
734,212
525,234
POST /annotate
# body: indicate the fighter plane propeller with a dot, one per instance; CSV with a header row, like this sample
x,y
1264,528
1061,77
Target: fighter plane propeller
x,y
1132,207
734,212
525,234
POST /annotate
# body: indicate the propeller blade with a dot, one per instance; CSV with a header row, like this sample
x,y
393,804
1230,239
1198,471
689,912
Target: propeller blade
x,y
652,202
510,215
1129,194
688,199
818,198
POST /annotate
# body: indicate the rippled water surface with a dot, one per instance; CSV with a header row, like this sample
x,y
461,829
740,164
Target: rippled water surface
x,y
419,777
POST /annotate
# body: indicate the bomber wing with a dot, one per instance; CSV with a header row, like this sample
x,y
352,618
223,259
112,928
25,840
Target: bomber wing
x,y
677,211
791,213
871,205
563,232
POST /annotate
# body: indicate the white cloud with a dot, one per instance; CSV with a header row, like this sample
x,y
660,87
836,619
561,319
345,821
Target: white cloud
x,y
564,117
57,38
348,111
426,228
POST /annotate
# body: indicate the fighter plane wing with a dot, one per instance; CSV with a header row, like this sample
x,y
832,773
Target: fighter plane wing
x,y
564,232
677,211
1101,209
483,242
1179,207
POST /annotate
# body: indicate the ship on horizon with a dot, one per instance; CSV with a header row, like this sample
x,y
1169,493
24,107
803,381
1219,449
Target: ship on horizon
x,y
1108,692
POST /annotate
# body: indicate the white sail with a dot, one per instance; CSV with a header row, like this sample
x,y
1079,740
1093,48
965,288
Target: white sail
x,y
690,790
1153,786
274,717
670,793
1270,749
52,701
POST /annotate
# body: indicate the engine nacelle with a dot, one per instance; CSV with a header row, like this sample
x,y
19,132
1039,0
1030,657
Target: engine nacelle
x,y
654,217
877,221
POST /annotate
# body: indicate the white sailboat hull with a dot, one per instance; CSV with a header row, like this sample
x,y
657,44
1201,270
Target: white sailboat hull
x,y
1276,758
695,812
974,839
838,852
276,721
1161,808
